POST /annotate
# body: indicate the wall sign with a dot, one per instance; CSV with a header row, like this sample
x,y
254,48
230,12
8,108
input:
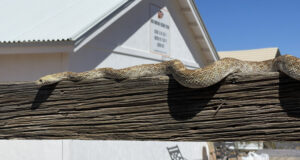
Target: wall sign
x,y
159,30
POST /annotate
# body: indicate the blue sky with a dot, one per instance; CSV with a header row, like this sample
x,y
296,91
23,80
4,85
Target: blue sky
x,y
250,24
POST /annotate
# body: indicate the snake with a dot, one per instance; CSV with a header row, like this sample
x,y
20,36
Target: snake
x,y
191,78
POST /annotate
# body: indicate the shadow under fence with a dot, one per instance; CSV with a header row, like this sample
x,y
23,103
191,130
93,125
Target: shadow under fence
x,y
289,95
185,103
42,95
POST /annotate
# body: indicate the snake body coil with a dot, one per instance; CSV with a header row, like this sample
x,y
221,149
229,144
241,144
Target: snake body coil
x,y
198,78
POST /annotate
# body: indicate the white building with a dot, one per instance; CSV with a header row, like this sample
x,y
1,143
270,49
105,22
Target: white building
x,y
49,36
43,37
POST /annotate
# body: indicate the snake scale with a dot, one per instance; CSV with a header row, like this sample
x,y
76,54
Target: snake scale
x,y
198,78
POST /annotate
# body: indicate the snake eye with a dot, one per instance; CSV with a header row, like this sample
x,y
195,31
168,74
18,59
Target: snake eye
x,y
41,80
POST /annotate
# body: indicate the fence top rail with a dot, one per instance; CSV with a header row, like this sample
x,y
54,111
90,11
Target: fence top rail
x,y
240,108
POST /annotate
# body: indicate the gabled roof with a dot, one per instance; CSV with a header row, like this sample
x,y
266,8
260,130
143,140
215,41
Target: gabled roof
x,y
51,20
252,54
67,25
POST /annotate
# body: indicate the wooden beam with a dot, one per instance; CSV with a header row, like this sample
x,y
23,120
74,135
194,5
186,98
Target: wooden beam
x,y
242,107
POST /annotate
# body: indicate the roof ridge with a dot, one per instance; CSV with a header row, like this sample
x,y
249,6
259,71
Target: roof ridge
x,y
250,49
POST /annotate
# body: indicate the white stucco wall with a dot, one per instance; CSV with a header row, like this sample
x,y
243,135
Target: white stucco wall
x,y
29,67
127,41
96,150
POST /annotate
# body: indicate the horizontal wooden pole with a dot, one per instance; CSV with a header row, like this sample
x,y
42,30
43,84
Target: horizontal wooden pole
x,y
242,107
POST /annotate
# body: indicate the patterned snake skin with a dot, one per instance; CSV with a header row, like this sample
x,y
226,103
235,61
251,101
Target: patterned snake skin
x,y
198,78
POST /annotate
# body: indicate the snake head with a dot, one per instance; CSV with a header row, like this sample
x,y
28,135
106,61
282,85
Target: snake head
x,y
47,80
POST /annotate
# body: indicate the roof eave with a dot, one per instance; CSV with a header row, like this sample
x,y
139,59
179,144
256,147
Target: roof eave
x,y
206,37
42,47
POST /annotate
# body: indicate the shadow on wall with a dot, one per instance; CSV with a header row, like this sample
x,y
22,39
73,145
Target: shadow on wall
x,y
109,39
99,48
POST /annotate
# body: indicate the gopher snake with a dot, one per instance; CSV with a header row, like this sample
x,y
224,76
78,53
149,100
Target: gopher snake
x,y
198,78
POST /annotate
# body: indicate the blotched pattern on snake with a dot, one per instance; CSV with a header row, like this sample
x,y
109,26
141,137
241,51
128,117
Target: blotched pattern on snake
x,y
198,78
